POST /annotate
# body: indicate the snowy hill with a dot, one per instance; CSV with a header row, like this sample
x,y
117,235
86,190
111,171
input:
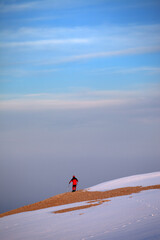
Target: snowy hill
x,y
128,213
132,181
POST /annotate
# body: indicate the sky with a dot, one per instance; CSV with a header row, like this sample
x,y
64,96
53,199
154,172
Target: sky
x,y
79,94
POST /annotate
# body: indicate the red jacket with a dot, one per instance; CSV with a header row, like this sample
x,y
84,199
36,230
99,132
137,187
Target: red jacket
x,y
74,180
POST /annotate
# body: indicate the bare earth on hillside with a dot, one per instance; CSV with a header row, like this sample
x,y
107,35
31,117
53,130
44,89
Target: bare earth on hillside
x,y
94,198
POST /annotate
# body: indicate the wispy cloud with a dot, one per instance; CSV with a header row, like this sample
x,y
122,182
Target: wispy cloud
x,y
148,69
44,101
96,55
14,72
80,100
54,104
45,42
130,51
120,70
18,6
97,42
56,4
107,33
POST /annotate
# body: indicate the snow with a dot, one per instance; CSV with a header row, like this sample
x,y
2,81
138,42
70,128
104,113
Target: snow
x,y
134,217
148,179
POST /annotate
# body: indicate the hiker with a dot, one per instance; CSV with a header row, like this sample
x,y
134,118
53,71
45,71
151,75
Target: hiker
x,y
74,181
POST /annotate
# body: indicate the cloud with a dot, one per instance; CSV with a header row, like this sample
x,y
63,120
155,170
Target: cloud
x,y
78,100
107,33
45,42
56,4
76,58
140,69
63,4
92,42
130,51
120,70
24,105
18,7
17,72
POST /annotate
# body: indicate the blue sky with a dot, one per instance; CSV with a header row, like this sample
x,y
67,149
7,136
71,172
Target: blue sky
x,y
73,46
79,94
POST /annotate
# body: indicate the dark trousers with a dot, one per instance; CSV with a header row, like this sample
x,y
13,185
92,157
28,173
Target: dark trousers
x,y
74,188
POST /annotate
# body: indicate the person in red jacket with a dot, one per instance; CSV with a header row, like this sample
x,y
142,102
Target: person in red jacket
x,y
74,181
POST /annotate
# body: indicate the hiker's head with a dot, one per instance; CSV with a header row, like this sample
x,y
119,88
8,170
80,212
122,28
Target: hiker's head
x,y
73,176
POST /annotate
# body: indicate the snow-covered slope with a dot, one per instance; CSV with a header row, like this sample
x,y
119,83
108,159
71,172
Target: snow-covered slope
x,y
131,181
132,217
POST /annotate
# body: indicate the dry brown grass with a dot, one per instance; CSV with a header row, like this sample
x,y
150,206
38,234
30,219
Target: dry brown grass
x,y
92,204
79,196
